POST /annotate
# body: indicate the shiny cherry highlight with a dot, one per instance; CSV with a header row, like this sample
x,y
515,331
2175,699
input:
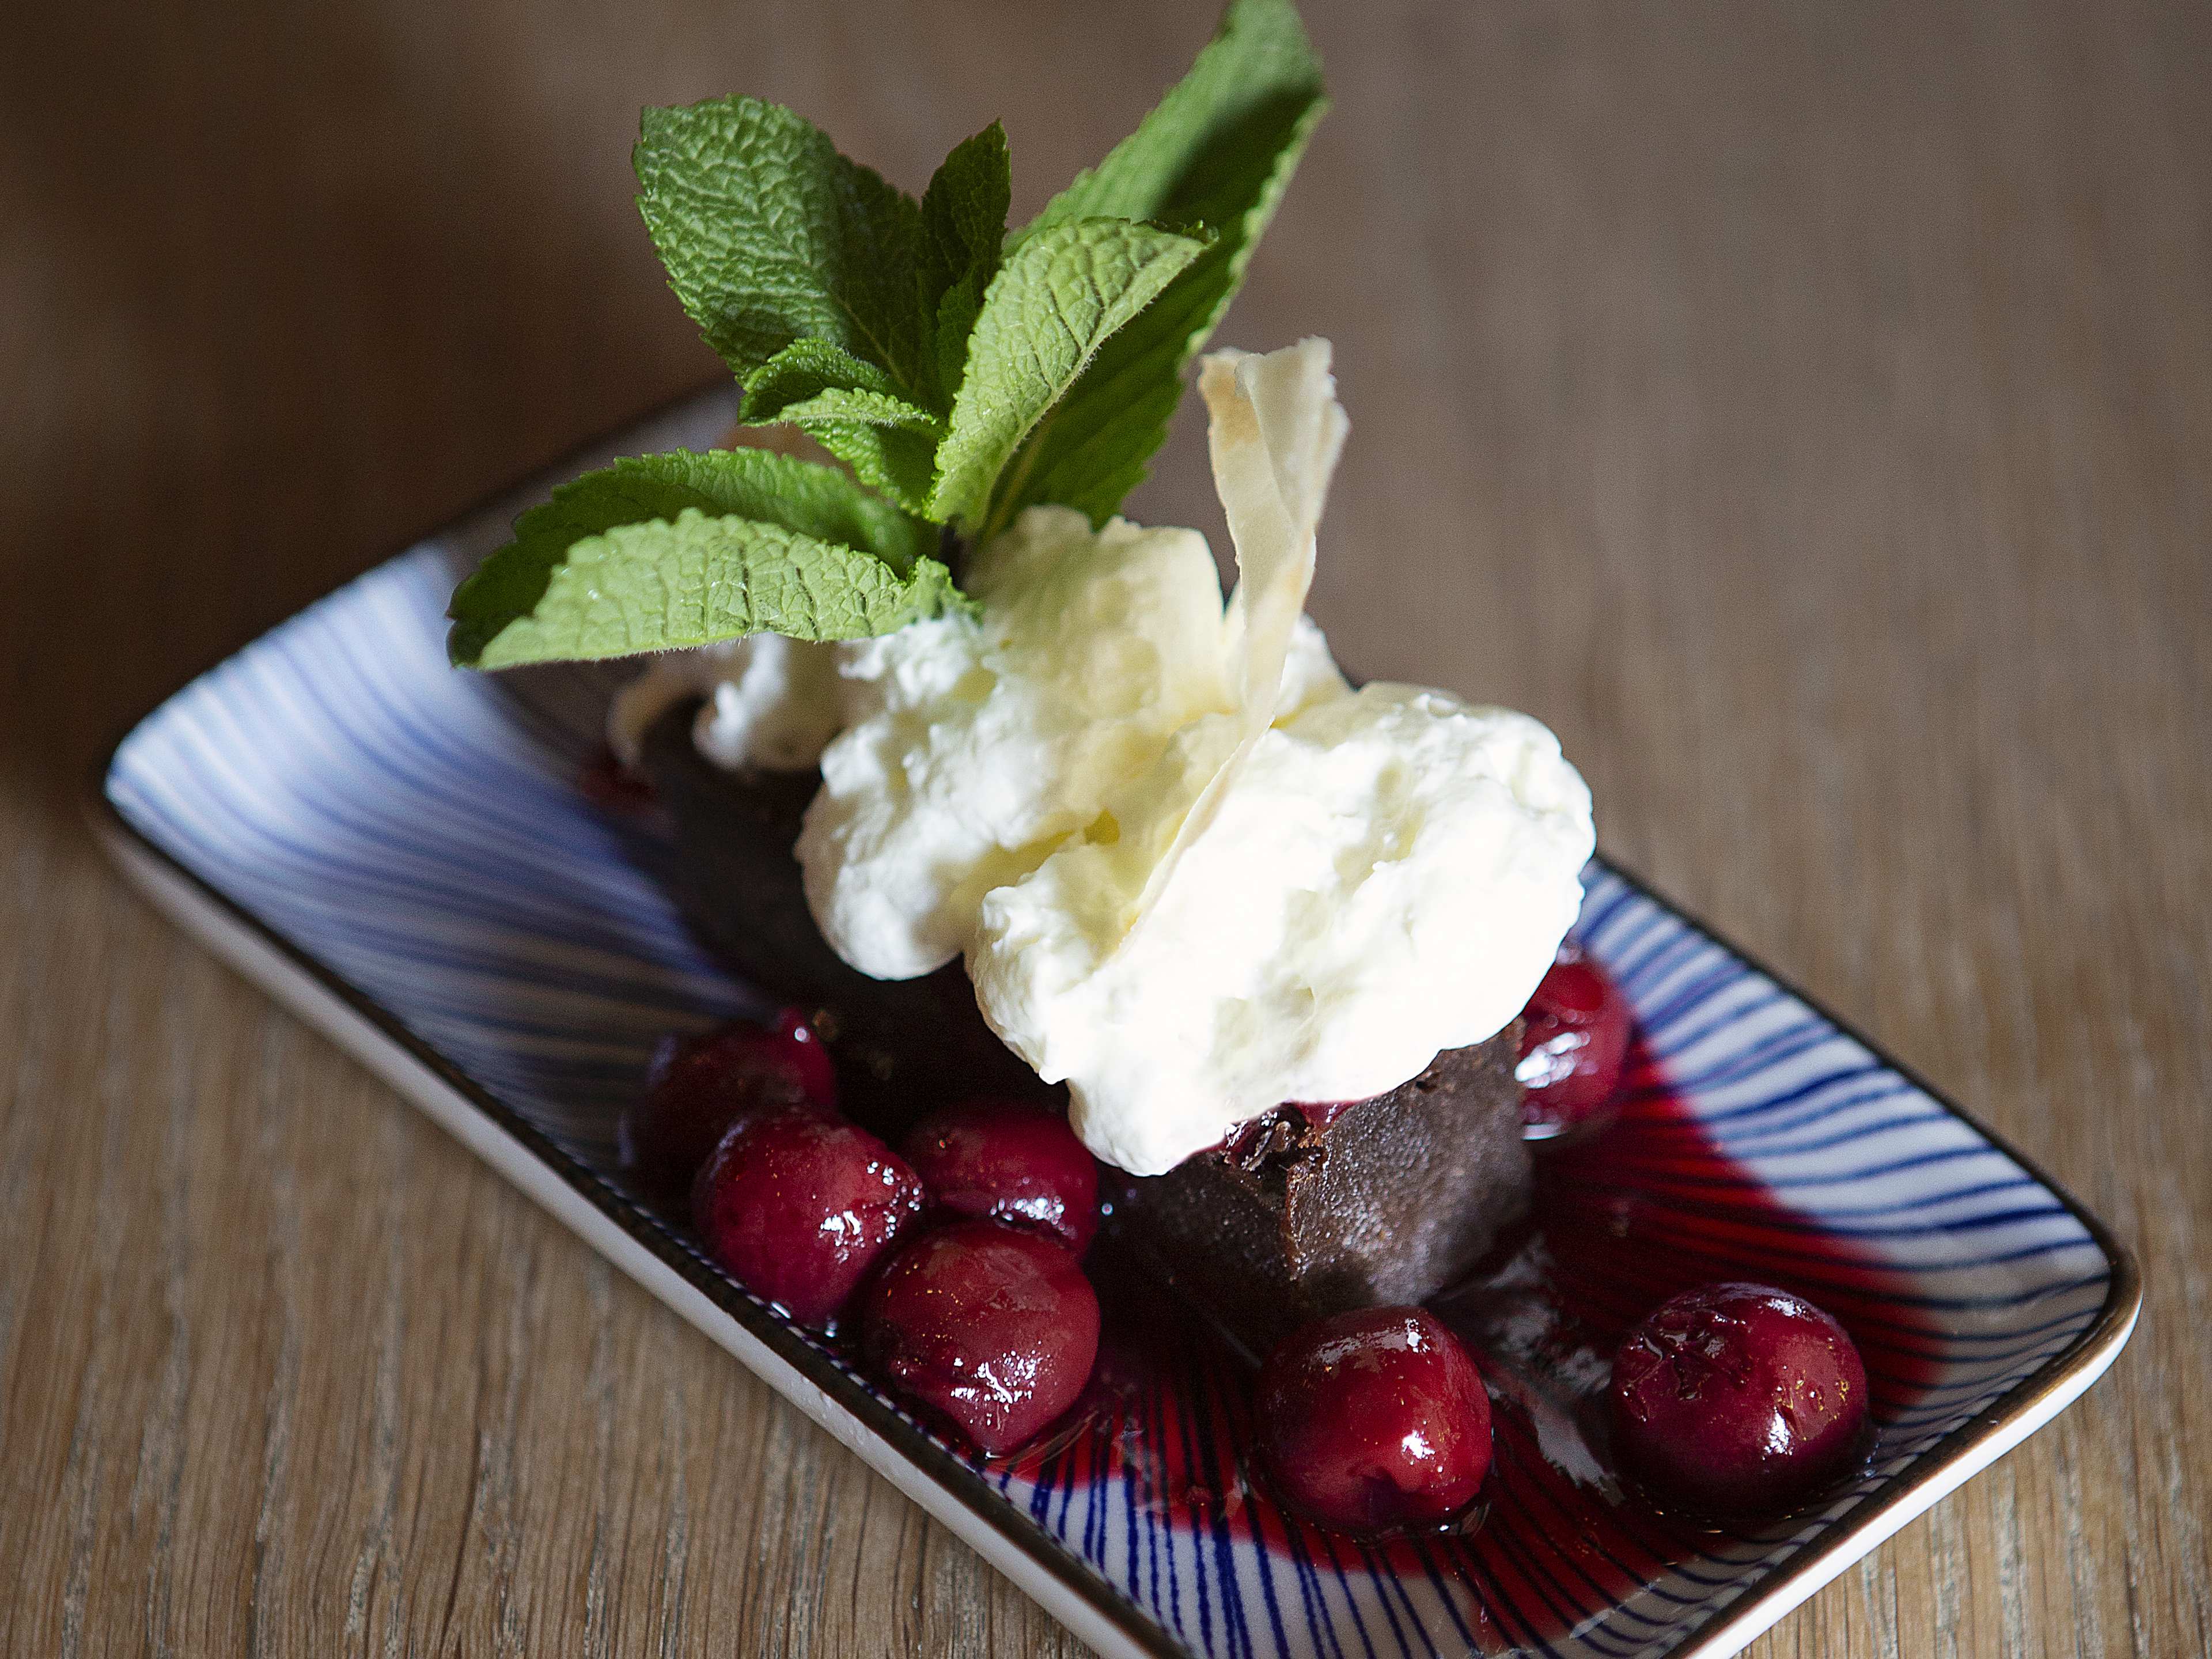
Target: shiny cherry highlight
x,y
1738,1400
992,1327
798,1207
1010,1161
1574,1036
1375,1419
697,1088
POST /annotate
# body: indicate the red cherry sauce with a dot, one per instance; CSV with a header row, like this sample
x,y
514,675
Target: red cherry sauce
x,y
1647,1208
605,781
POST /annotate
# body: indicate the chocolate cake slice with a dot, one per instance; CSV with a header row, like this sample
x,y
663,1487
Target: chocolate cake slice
x,y
1313,1210
1306,1211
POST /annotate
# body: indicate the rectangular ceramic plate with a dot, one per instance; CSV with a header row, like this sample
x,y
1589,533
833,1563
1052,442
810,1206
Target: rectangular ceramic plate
x,y
399,853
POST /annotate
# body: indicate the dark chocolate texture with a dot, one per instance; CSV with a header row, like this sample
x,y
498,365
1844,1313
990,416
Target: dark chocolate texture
x,y
1301,1215
1388,1201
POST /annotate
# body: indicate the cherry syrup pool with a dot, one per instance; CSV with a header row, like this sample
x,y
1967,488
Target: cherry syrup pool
x,y
1558,1534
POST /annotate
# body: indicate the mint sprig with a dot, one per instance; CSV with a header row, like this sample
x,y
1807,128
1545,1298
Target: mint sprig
x,y
769,235
960,375
1060,295
1219,150
963,226
684,548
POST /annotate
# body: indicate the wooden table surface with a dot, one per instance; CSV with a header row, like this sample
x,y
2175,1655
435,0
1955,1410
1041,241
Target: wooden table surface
x,y
1806,410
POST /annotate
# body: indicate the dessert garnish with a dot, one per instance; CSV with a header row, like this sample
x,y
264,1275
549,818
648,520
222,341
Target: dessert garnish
x,y
1375,1419
1737,1399
798,1205
962,374
1191,873
994,1327
1306,895
1010,1160
1574,1036
1188,896
696,1088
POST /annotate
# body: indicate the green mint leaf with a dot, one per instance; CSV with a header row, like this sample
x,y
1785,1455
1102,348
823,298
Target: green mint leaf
x,y
788,385
687,548
1197,156
1219,150
899,461
854,411
963,227
694,580
769,236
1057,298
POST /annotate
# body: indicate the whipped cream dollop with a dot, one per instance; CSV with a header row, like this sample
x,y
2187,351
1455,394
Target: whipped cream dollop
x,y
1193,873
770,702
1389,876
977,746
1293,904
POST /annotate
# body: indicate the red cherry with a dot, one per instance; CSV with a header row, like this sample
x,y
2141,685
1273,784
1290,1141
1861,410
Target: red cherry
x,y
1574,1034
799,1045
696,1090
1738,1400
1374,1419
797,1207
1008,1160
995,1327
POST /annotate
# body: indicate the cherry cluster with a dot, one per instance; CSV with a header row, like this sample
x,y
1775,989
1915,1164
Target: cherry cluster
x,y
955,1261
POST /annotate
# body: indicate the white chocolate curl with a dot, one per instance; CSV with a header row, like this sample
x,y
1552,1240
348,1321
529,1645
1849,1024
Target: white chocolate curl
x,y
1274,433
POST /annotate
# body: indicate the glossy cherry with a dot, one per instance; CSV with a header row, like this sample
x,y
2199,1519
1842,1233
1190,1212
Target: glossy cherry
x,y
798,1207
1574,1034
1374,1419
995,1327
696,1088
1738,1400
1010,1161
797,1043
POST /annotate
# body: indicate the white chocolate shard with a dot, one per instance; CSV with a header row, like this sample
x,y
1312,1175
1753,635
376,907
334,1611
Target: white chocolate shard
x,y
1274,432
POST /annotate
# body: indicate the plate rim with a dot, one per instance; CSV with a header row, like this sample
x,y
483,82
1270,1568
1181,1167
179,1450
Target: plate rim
x,y
655,1255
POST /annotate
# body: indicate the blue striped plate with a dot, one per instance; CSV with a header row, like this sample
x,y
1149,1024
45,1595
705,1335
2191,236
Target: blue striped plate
x,y
400,853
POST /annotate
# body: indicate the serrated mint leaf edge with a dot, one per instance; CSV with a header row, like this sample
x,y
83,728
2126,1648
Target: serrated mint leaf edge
x,y
806,369
963,211
853,288
990,418
898,462
695,579
1099,468
1230,67
803,497
964,233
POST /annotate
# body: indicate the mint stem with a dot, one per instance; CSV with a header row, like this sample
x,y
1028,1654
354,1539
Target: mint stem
x,y
952,553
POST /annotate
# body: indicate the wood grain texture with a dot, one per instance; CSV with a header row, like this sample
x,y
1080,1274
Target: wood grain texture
x,y
1806,409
